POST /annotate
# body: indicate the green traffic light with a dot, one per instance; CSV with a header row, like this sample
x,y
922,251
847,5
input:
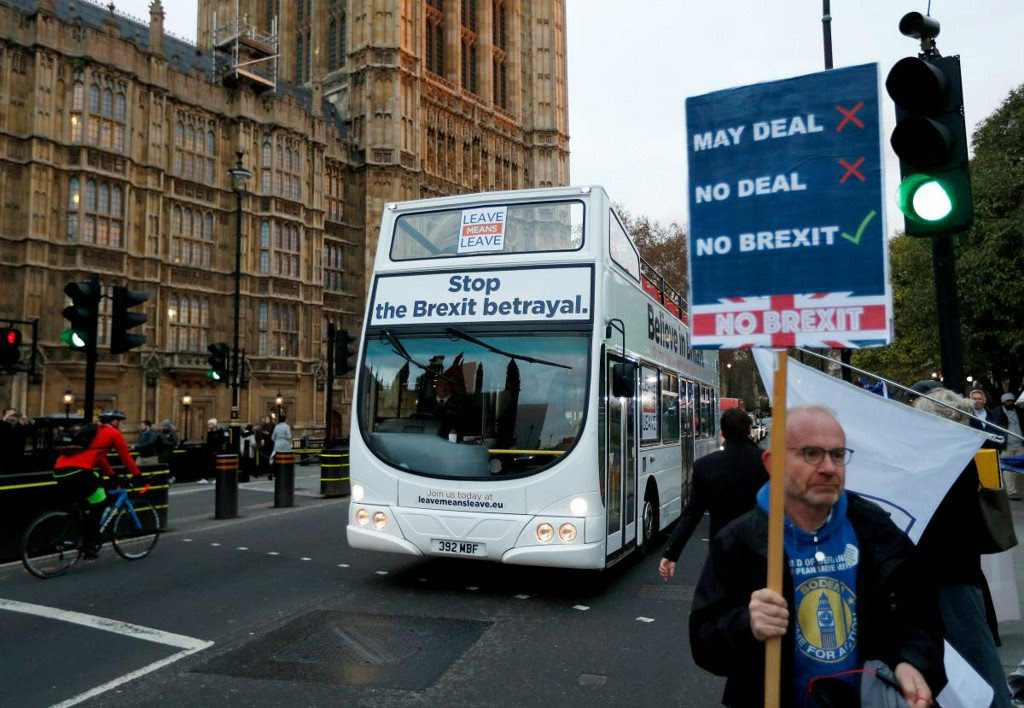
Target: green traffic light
x,y
213,375
931,201
72,338
924,198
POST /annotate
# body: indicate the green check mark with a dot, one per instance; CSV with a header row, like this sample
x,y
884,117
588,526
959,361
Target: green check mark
x,y
855,239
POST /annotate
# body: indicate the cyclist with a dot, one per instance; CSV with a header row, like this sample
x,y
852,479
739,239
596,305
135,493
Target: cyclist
x,y
75,473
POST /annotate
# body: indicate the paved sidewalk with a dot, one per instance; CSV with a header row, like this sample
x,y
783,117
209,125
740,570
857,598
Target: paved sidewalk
x,y
1012,633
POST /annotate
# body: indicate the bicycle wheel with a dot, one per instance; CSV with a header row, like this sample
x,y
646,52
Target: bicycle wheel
x,y
134,539
51,544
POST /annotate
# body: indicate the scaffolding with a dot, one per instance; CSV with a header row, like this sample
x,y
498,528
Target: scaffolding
x,y
242,53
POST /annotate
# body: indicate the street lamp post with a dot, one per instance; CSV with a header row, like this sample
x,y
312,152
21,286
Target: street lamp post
x,y
239,176
186,401
69,398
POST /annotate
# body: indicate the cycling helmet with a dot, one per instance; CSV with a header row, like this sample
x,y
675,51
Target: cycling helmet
x,y
111,414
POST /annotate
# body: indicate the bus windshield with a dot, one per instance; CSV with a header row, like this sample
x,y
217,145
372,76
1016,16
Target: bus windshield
x,y
473,405
515,228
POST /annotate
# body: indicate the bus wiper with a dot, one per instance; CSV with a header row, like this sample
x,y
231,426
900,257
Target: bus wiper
x,y
399,349
459,334
418,237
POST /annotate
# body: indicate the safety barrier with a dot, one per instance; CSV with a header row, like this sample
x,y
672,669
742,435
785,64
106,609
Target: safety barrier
x,y
226,502
284,479
334,477
25,495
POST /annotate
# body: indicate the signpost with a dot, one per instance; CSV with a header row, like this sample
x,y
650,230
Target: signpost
x,y
787,241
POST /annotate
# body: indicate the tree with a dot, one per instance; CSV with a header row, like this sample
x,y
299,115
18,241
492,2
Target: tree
x,y
663,247
990,263
990,266
914,353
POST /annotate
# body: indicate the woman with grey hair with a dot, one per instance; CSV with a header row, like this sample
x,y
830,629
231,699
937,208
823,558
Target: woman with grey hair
x,y
949,550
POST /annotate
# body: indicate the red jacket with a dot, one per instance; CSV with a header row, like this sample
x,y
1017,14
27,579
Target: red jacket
x,y
107,437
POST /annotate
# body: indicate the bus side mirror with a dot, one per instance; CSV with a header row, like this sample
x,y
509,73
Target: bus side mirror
x,y
623,379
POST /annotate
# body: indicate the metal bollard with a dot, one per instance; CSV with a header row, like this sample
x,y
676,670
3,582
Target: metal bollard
x,y
227,487
334,480
284,479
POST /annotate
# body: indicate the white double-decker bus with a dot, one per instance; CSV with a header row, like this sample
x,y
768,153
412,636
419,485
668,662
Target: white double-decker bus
x,y
526,391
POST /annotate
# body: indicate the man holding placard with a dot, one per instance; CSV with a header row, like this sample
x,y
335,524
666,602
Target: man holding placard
x,y
850,592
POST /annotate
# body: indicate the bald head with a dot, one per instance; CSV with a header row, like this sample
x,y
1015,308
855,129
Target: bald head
x,y
809,419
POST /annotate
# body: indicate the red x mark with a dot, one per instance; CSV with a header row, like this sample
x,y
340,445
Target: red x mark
x,y
851,169
848,115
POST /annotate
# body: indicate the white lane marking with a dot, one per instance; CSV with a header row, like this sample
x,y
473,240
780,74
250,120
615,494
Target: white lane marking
x,y
186,540
521,597
473,588
307,559
121,680
108,625
703,539
382,572
342,565
214,544
581,608
273,553
422,580
243,548
644,619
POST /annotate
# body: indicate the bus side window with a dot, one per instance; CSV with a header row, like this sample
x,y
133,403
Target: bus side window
x,y
669,409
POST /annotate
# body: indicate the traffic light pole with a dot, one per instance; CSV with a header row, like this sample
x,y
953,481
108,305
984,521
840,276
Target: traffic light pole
x,y
948,309
235,429
91,357
329,432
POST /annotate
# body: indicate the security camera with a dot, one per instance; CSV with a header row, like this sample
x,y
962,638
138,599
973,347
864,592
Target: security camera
x,y
918,26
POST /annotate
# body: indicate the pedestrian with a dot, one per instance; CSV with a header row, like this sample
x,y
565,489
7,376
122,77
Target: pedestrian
x,y
851,591
725,484
147,444
282,436
985,418
1013,409
948,550
168,441
215,443
248,450
264,447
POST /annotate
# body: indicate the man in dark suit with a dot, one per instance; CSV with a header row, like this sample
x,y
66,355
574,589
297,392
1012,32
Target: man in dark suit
x,y
450,408
725,483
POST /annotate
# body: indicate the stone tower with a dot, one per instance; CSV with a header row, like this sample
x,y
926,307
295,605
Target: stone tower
x,y
439,96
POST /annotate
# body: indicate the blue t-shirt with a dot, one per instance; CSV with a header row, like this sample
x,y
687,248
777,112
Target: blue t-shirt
x,y
823,565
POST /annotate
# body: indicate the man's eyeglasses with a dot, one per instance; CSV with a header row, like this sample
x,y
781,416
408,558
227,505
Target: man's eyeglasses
x,y
813,455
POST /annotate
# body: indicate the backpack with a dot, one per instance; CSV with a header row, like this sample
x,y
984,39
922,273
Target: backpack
x,y
70,441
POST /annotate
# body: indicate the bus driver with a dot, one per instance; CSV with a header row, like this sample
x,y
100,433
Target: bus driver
x,y
450,405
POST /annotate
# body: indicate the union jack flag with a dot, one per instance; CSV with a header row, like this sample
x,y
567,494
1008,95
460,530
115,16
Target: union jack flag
x,y
839,320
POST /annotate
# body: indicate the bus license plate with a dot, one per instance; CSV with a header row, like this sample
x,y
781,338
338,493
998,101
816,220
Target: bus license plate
x,y
458,548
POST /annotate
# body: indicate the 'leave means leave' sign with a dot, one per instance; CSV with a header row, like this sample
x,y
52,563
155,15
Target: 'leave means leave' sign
x,y
787,242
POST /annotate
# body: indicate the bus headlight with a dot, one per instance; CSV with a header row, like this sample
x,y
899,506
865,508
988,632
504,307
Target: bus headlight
x,y
545,532
358,492
578,506
567,532
362,517
380,520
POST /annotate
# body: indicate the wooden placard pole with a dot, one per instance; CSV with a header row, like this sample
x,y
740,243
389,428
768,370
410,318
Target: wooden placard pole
x,y
776,498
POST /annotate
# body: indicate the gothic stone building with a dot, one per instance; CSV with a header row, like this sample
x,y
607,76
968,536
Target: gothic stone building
x,y
116,138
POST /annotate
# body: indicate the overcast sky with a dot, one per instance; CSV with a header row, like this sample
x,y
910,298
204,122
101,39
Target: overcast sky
x,y
632,65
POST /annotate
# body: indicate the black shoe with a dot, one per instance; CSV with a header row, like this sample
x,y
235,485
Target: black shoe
x,y
91,551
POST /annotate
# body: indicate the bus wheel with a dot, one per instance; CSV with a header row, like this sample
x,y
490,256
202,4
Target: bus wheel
x,y
648,520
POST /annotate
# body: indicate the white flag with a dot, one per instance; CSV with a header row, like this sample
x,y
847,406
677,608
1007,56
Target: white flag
x,y
904,459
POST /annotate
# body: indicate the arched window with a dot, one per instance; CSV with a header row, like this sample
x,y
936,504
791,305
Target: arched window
x,y
209,143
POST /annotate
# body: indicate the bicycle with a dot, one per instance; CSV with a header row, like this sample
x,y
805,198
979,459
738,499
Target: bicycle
x,y
52,543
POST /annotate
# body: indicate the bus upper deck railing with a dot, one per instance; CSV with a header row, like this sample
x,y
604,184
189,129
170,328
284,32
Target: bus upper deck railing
x,y
654,285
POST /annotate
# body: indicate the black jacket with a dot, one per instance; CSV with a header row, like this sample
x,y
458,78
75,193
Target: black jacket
x,y
897,611
724,483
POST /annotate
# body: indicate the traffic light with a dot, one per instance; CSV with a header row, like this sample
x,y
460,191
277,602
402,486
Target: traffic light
x,y
343,351
10,341
218,360
930,137
122,320
82,313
